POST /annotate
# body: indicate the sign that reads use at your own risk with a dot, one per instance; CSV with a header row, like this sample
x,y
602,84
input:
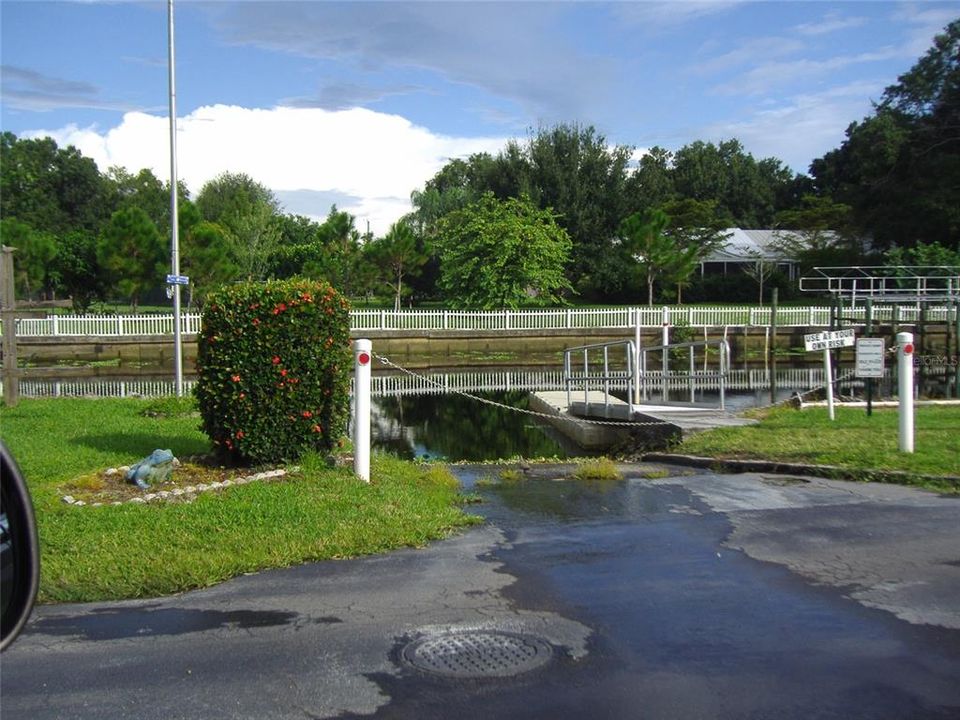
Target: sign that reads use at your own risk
x,y
829,339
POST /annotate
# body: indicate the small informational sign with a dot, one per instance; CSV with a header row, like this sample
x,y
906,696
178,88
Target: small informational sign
x,y
178,280
870,354
829,339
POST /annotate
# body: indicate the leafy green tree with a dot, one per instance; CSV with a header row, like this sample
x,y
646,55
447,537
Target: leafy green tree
x,y
651,184
697,228
496,253
207,259
78,274
35,251
143,190
925,254
576,172
297,230
132,254
569,168
255,237
899,169
818,233
231,195
340,260
52,189
648,249
249,213
743,188
396,255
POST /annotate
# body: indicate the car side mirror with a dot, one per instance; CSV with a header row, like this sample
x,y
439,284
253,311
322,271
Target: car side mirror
x,y
19,550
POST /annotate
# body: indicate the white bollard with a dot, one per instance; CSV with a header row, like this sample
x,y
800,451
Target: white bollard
x,y
362,353
905,389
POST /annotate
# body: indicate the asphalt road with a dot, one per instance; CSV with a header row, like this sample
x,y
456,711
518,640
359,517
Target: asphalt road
x,y
691,596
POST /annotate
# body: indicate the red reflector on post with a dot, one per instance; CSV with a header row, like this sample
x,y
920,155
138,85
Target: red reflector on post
x,y
908,349
363,358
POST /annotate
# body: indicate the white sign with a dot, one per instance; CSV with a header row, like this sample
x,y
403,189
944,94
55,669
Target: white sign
x,y
870,354
829,339
178,280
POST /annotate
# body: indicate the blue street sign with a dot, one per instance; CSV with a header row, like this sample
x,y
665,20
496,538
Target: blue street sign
x,y
178,280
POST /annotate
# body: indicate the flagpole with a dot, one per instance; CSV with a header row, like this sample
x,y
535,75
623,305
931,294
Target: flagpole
x,y
174,217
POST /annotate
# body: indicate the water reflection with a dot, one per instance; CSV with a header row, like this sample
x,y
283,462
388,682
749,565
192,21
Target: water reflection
x,y
454,427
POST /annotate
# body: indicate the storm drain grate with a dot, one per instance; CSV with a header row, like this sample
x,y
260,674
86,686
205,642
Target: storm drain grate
x,y
478,653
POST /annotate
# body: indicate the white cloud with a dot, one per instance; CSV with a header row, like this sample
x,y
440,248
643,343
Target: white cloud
x,y
805,127
832,22
755,50
374,158
773,75
923,22
673,13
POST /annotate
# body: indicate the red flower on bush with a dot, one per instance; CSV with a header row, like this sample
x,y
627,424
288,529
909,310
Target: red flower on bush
x,y
276,359
256,321
283,372
240,434
307,414
235,378
279,308
317,428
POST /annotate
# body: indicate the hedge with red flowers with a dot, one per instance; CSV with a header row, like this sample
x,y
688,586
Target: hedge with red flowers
x,y
274,369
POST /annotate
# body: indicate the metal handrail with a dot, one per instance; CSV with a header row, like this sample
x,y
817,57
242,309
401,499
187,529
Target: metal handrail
x,y
692,374
606,377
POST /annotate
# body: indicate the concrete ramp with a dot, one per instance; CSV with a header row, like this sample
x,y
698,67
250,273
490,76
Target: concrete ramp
x,y
676,420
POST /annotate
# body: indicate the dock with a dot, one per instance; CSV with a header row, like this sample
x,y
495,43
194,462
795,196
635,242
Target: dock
x,y
677,420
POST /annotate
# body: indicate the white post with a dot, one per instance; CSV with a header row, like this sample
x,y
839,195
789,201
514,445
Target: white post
x,y
664,362
636,356
828,376
905,383
362,350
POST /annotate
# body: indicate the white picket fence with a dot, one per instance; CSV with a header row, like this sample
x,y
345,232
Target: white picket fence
x,y
432,383
559,319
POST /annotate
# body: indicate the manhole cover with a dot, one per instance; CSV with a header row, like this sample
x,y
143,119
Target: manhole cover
x,y
478,653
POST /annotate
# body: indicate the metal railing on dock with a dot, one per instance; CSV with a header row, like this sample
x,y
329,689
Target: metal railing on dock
x,y
590,368
606,378
692,378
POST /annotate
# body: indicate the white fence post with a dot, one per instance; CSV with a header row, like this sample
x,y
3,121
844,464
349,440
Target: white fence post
x,y
362,350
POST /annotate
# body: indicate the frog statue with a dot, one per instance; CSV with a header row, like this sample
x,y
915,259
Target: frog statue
x,y
156,467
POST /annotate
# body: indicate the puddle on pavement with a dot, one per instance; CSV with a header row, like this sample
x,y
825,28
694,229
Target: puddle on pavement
x,y
548,492
148,621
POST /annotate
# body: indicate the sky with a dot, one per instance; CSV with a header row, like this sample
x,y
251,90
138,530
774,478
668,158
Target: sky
x,y
360,103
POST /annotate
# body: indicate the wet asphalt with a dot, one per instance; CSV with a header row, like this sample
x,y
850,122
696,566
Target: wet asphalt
x,y
681,595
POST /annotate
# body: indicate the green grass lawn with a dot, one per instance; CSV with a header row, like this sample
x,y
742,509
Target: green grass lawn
x,y
853,441
158,548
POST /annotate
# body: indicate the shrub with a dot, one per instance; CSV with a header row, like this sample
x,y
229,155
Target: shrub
x,y
273,369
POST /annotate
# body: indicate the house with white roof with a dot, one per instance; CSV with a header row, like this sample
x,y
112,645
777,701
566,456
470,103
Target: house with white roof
x,y
747,247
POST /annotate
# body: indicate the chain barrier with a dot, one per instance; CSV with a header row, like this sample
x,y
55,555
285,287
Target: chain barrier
x,y
569,418
523,411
